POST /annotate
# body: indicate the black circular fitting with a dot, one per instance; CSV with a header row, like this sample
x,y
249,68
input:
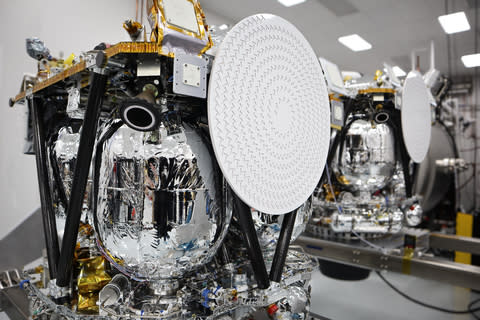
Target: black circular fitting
x,y
381,117
139,115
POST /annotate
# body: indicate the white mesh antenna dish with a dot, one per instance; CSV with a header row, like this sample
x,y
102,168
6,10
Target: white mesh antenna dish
x,y
269,114
416,117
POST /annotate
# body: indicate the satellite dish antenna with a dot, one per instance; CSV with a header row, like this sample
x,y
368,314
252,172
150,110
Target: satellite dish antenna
x,y
416,116
269,114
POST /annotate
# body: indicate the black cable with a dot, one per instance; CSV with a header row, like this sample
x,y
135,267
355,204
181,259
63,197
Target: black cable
x,y
470,307
426,305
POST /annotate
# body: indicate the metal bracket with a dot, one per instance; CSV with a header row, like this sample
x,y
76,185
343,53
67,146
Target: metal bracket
x,y
190,75
337,113
90,60
96,61
9,279
29,93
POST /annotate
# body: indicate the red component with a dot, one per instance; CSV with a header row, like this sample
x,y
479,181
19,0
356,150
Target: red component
x,y
412,207
272,309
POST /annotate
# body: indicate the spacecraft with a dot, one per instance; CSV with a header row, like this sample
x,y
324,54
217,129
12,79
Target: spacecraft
x,y
378,130
170,178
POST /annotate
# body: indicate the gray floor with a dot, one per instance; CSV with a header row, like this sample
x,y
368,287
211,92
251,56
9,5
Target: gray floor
x,y
373,299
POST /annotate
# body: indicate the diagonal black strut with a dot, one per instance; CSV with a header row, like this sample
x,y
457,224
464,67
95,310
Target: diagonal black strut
x,y
283,243
244,216
80,177
48,214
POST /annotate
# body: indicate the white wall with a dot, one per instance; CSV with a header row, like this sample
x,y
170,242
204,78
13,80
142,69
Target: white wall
x,y
65,25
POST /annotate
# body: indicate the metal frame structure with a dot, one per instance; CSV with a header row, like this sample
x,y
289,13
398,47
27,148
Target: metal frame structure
x,y
419,265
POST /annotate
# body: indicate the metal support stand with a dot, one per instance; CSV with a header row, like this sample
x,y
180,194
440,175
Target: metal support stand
x,y
282,246
457,243
422,266
84,157
255,255
48,214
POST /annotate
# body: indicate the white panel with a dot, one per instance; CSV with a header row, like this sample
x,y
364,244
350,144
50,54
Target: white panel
x,y
416,117
333,76
181,13
62,25
191,75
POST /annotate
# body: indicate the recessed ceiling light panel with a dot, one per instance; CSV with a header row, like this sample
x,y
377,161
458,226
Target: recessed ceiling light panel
x,y
454,22
471,60
269,114
355,42
290,3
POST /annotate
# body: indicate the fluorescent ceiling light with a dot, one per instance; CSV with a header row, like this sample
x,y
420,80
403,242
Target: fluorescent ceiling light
x,y
355,42
471,60
223,27
455,22
289,3
399,72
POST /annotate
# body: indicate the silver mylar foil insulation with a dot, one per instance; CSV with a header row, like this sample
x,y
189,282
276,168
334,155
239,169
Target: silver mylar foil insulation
x,y
368,156
65,150
159,210
268,226
63,158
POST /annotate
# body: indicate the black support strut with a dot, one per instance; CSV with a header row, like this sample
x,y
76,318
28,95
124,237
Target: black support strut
x,y
244,216
80,177
48,214
282,246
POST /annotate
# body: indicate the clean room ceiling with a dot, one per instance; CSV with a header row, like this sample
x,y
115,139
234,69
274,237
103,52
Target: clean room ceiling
x,y
395,28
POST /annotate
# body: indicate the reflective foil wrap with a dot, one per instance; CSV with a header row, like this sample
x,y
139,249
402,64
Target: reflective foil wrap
x,y
367,159
268,226
91,279
159,208
87,303
65,156
36,48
